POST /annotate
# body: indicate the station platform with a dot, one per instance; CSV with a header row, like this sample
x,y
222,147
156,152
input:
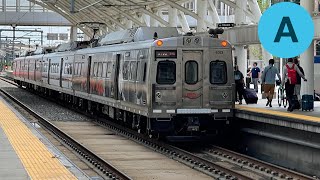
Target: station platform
x,y
298,119
22,154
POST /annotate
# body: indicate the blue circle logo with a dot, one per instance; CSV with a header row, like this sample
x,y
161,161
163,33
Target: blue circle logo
x,y
286,30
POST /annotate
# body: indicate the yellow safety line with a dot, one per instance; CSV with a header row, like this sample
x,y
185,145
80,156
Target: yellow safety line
x,y
35,157
278,113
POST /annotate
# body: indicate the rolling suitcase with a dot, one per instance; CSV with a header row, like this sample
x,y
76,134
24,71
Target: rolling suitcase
x,y
250,96
307,102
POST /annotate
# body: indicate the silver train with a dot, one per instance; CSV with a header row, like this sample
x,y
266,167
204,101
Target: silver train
x,y
151,79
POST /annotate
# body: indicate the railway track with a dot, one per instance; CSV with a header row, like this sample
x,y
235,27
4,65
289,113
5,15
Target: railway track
x,y
201,163
105,167
270,170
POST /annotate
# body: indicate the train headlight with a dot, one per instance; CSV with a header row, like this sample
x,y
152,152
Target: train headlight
x,y
159,43
224,43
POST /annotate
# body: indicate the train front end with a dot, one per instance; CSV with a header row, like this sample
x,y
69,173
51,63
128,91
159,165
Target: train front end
x,y
192,90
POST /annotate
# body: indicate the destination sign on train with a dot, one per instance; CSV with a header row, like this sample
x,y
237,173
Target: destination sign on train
x,y
166,54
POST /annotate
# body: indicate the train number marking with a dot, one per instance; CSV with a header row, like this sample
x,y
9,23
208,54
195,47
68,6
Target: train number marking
x,y
219,52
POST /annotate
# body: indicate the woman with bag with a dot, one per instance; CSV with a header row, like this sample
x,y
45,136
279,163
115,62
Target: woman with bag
x,y
268,81
289,78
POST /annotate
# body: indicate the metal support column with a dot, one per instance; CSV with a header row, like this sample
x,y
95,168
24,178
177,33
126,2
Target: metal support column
x,y
240,51
307,58
73,33
13,39
202,8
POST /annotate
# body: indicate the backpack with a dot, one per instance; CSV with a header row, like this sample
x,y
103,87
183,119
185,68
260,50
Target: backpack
x,y
237,76
292,74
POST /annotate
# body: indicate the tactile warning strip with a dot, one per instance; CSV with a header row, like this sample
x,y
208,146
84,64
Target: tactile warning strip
x,y
278,113
35,157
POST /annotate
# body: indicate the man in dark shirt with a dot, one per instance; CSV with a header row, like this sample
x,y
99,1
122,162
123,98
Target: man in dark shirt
x,y
255,74
238,77
297,87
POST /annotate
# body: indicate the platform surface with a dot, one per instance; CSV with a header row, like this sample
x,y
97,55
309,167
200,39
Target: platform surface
x,y
275,110
22,154
10,164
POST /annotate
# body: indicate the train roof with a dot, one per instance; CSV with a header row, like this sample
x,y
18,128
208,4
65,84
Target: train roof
x,y
138,34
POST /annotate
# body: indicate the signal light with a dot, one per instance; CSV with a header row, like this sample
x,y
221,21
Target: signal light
x,y
224,43
159,43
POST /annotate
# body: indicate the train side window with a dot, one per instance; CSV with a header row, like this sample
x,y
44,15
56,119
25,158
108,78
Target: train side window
x,y
104,70
77,69
218,72
144,72
166,72
133,70
95,69
65,68
191,72
70,68
100,69
137,69
109,71
125,70
80,69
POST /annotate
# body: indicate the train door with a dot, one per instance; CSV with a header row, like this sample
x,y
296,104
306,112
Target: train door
x,y
49,69
61,71
192,79
89,74
116,77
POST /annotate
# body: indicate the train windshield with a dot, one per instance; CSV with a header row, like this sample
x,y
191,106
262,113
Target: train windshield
x,y
218,72
166,72
191,72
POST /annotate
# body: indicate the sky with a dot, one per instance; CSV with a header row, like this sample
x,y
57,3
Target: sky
x,y
36,37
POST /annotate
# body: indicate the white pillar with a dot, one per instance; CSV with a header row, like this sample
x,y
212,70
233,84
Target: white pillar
x,y
316,6
202,8
307,58
307,63
240,51
172,16
240,16
73,33
242,61
254,6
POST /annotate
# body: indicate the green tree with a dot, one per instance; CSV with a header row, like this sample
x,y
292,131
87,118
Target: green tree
x,y
263,4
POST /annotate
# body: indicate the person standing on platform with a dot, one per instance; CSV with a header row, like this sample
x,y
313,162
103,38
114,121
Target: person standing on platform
x,y
297,87
255,74
289,79
238,77
268,79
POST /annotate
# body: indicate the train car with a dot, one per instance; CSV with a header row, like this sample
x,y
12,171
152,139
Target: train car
x,y
151,79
